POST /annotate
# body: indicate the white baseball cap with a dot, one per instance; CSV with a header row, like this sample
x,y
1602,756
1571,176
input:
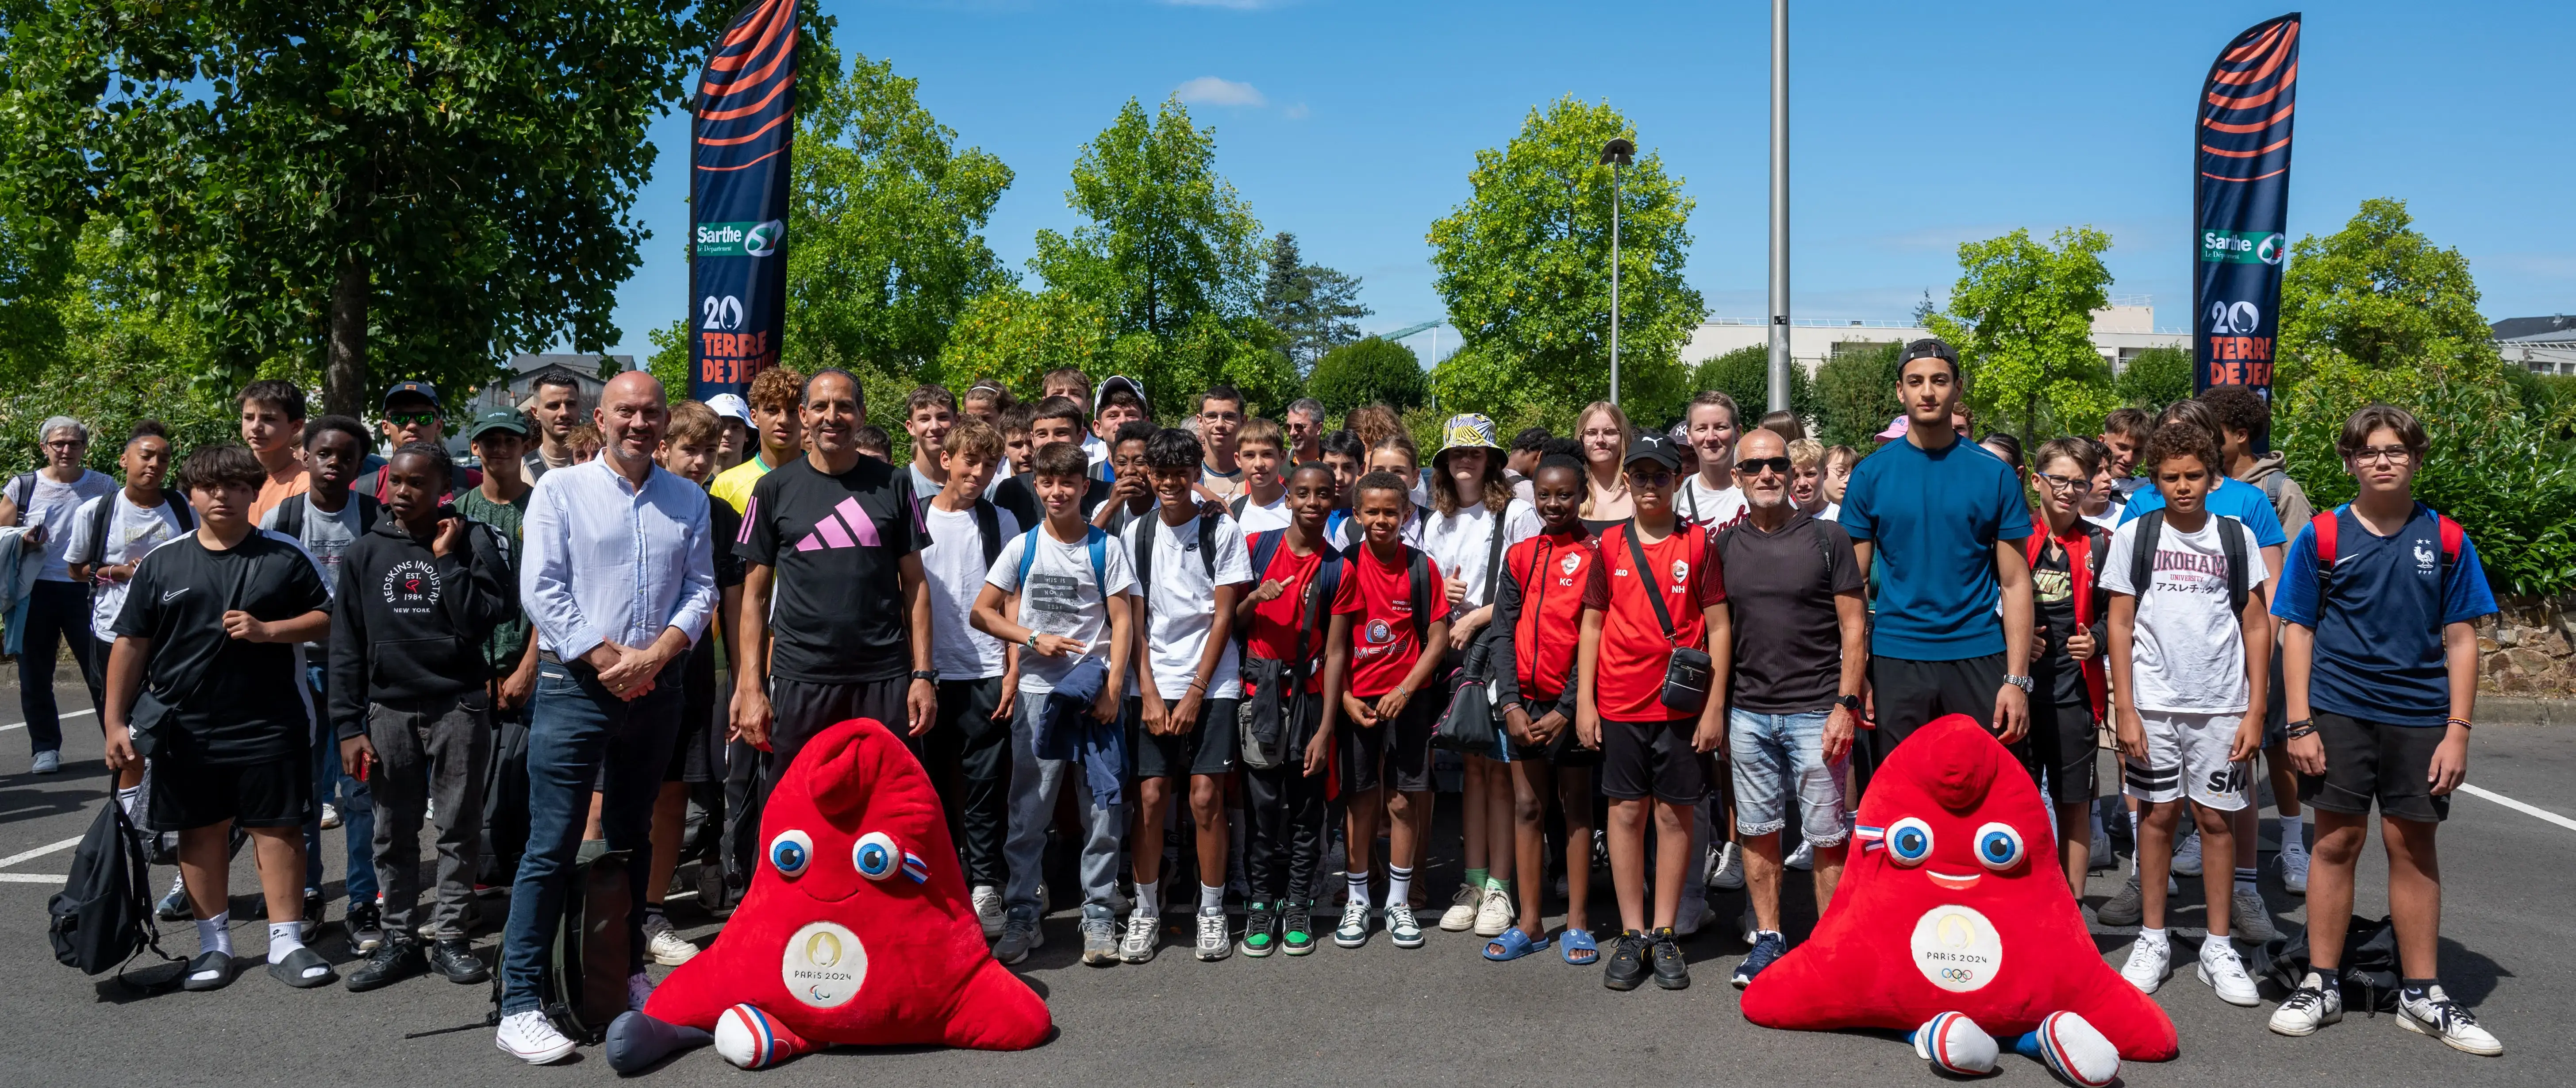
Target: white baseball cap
x,y
732,406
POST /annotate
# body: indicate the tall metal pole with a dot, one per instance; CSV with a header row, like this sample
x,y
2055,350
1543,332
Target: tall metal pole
x,y
1614,283
1779,205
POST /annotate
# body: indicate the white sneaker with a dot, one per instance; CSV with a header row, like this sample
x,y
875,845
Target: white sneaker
x,y
2187,856
2220,970
1142,930
2294,871
1728,873
669,949
1214,942
639,989
330,816
1693,915
531,1038
1803,859
1354,928
48,761
2315,1004
2437,1016
988,909
2149,966
1494,914
1461,915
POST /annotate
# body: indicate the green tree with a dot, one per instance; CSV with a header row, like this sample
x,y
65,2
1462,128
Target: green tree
x,y
1856,395
1524,267
669,362
1367,371
2154,378
415,189
1745,374
1315,309
886,217
1014,336
2021,316
2378,293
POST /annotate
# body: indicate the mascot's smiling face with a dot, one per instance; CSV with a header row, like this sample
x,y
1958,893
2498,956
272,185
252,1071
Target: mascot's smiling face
x,y
1943,828
828,836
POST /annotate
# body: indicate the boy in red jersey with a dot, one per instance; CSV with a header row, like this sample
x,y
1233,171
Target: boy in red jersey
x,y
1538,614
1388,607
1284,627
1655,590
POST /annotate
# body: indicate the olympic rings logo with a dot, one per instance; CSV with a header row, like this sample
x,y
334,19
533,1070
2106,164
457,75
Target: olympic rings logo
x,y
1957,974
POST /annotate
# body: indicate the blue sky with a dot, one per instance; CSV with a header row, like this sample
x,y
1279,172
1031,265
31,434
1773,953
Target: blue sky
x,y
1915,126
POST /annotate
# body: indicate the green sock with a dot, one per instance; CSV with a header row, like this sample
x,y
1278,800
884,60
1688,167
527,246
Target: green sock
x,y
1501,884
1476,877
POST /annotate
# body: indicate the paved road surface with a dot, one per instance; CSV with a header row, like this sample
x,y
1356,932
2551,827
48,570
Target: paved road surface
x,y
1434,1016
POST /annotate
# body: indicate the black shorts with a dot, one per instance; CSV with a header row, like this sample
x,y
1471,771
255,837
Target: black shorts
x,y
799,710
1639,759
271,793
1210,748
1394,754
2064,751
2375,761
1566,750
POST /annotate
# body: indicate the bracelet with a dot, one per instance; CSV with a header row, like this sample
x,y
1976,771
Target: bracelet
x,y
2461,722
2302,729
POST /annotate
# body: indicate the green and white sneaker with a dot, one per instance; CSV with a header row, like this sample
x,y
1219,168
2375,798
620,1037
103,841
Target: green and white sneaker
x,y
1260,930
1401,926
1297,928
1354,930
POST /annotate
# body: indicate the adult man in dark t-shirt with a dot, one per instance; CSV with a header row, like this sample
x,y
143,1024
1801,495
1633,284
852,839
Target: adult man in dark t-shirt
x,y
210,647
1947,518
836,538
1800,647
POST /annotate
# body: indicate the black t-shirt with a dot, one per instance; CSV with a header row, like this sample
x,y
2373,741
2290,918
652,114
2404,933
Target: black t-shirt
x,y
2053,600
836,543
1788,637
1019,495
232,701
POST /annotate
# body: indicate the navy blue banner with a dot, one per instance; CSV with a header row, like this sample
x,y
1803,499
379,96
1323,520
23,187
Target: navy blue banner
x,y
2240,203
738,144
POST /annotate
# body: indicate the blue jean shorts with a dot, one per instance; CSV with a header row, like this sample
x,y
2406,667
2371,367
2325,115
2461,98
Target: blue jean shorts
x,y
1774,753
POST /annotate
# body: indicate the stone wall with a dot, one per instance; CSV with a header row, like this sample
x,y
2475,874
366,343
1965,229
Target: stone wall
x,y
2529,648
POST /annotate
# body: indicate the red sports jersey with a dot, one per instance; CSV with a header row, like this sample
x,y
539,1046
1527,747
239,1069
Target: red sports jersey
x,y
1272,633
1380,599
1628,683
1554,574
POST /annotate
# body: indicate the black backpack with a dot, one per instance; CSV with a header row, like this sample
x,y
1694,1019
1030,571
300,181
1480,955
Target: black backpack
x,y
2368,972
102,918
290,514
105,506
2231,543
582,986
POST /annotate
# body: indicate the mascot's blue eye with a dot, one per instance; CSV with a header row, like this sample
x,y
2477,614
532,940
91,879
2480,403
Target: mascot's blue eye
x,y
875,855
1998,846
791,852
1909,841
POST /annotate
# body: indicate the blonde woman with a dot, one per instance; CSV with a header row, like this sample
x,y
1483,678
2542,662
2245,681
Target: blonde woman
x,y
1603,430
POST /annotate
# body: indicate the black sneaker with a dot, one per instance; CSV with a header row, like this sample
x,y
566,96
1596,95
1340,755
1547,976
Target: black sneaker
x,y
1767,949
1672,972
366,925
391,962
1260,930
1297,928
1626,966
314,906
303,969
454,960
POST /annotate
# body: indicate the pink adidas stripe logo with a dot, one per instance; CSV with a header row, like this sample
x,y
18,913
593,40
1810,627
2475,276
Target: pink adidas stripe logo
x,y
847,526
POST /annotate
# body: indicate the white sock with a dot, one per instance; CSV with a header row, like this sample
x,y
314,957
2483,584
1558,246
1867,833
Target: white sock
x,y
284,937
2294,839
1359,885
1211,898
2152,937
127,798
1149,898
1399,884
215,934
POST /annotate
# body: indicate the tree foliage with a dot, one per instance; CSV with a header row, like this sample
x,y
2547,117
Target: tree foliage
x,y
1524,266
1365,372
2021,316
413,190
2380,294
1745,374
1315,308
2154,378
1856,395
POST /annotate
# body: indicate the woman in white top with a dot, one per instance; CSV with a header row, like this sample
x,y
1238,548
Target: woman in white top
x,y
1603,430
1473,517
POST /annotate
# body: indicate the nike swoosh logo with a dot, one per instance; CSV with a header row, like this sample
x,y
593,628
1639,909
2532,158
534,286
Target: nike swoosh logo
x,y
173,594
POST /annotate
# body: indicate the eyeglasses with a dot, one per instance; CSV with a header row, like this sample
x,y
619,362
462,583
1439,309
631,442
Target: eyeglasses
x,y
2395,455
411,419
2065,483
67,443
1755,466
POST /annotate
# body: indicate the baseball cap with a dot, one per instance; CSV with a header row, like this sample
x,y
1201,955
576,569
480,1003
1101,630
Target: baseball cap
x,y
498,419
1930,347
1895,429
732,406
1655,448
1134,385
413,388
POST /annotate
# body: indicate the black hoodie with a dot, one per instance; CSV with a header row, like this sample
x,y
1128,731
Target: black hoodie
x,y
409,626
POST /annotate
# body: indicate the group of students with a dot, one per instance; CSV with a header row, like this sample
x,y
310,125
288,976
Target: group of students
x,y
1260,629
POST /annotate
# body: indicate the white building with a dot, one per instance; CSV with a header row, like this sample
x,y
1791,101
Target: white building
x,y
591,372
2120,332
2542,345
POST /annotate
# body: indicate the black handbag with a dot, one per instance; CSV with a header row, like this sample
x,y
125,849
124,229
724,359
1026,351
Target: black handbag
x,y
1688,673
1467,723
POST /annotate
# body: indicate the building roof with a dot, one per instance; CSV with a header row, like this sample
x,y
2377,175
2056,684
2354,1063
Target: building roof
x,y
585,364
2555,326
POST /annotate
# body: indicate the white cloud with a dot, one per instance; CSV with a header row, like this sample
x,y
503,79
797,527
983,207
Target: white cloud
x,y
1211,91
1295,113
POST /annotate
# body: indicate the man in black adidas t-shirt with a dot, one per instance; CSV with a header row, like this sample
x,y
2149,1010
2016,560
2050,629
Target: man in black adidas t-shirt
x,y
209,653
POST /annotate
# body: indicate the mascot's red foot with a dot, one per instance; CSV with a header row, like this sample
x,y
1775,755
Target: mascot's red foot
x,y
856,928
1952,902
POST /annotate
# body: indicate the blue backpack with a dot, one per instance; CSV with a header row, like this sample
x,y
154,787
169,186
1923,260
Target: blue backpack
x,y
1095,540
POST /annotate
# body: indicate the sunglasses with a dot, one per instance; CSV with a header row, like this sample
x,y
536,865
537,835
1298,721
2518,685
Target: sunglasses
x,y
1754,466
411,419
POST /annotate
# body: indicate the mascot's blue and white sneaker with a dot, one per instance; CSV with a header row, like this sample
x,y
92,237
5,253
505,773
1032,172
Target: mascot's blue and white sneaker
x,y
2073,1050
1955,1044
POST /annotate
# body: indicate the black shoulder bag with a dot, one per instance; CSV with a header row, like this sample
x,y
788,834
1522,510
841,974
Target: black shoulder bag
x,y
1688,673
1467,725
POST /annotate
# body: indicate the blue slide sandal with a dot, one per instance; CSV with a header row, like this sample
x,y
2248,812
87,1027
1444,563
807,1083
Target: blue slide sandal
x,y
1512,945
1577,947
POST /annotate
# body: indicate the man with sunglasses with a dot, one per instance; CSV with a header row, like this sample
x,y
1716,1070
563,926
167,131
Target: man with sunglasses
x,y
412,415
42,503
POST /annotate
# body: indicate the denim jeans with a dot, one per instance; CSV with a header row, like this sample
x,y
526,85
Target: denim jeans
x,y
1034,783
357,812
575,728
1775,754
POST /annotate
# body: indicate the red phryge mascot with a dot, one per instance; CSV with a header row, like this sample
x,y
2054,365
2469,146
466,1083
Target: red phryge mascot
x,y
1953,921
856,929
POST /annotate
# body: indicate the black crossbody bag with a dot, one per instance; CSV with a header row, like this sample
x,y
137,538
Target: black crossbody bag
x,y
1688,672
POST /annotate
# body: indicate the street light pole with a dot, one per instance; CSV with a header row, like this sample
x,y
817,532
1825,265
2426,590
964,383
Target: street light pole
x,y
1779,370
1617,153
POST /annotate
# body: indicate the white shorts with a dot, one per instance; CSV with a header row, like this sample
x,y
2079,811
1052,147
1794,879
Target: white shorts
x,y
2187,756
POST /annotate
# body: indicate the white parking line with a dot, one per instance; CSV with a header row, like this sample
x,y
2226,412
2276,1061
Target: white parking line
x,y
38,852
2491,795
31,878
64,714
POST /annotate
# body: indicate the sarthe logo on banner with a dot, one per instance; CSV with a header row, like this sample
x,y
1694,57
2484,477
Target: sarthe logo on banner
x,y
738,148
2240,204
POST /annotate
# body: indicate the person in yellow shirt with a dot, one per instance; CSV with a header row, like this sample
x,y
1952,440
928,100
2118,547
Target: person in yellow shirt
x,y
775,393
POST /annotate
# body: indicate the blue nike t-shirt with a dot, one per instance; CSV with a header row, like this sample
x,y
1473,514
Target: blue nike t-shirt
x,y
2379,651
1934,517
2234,498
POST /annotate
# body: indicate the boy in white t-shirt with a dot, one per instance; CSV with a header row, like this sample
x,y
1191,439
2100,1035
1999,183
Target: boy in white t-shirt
x,y
2190,653
968,750
1067,587
1192,568
144,516
1263,506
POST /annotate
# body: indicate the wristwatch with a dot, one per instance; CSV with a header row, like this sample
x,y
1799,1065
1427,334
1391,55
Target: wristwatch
x,y
931,675
1848,702
2026,684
